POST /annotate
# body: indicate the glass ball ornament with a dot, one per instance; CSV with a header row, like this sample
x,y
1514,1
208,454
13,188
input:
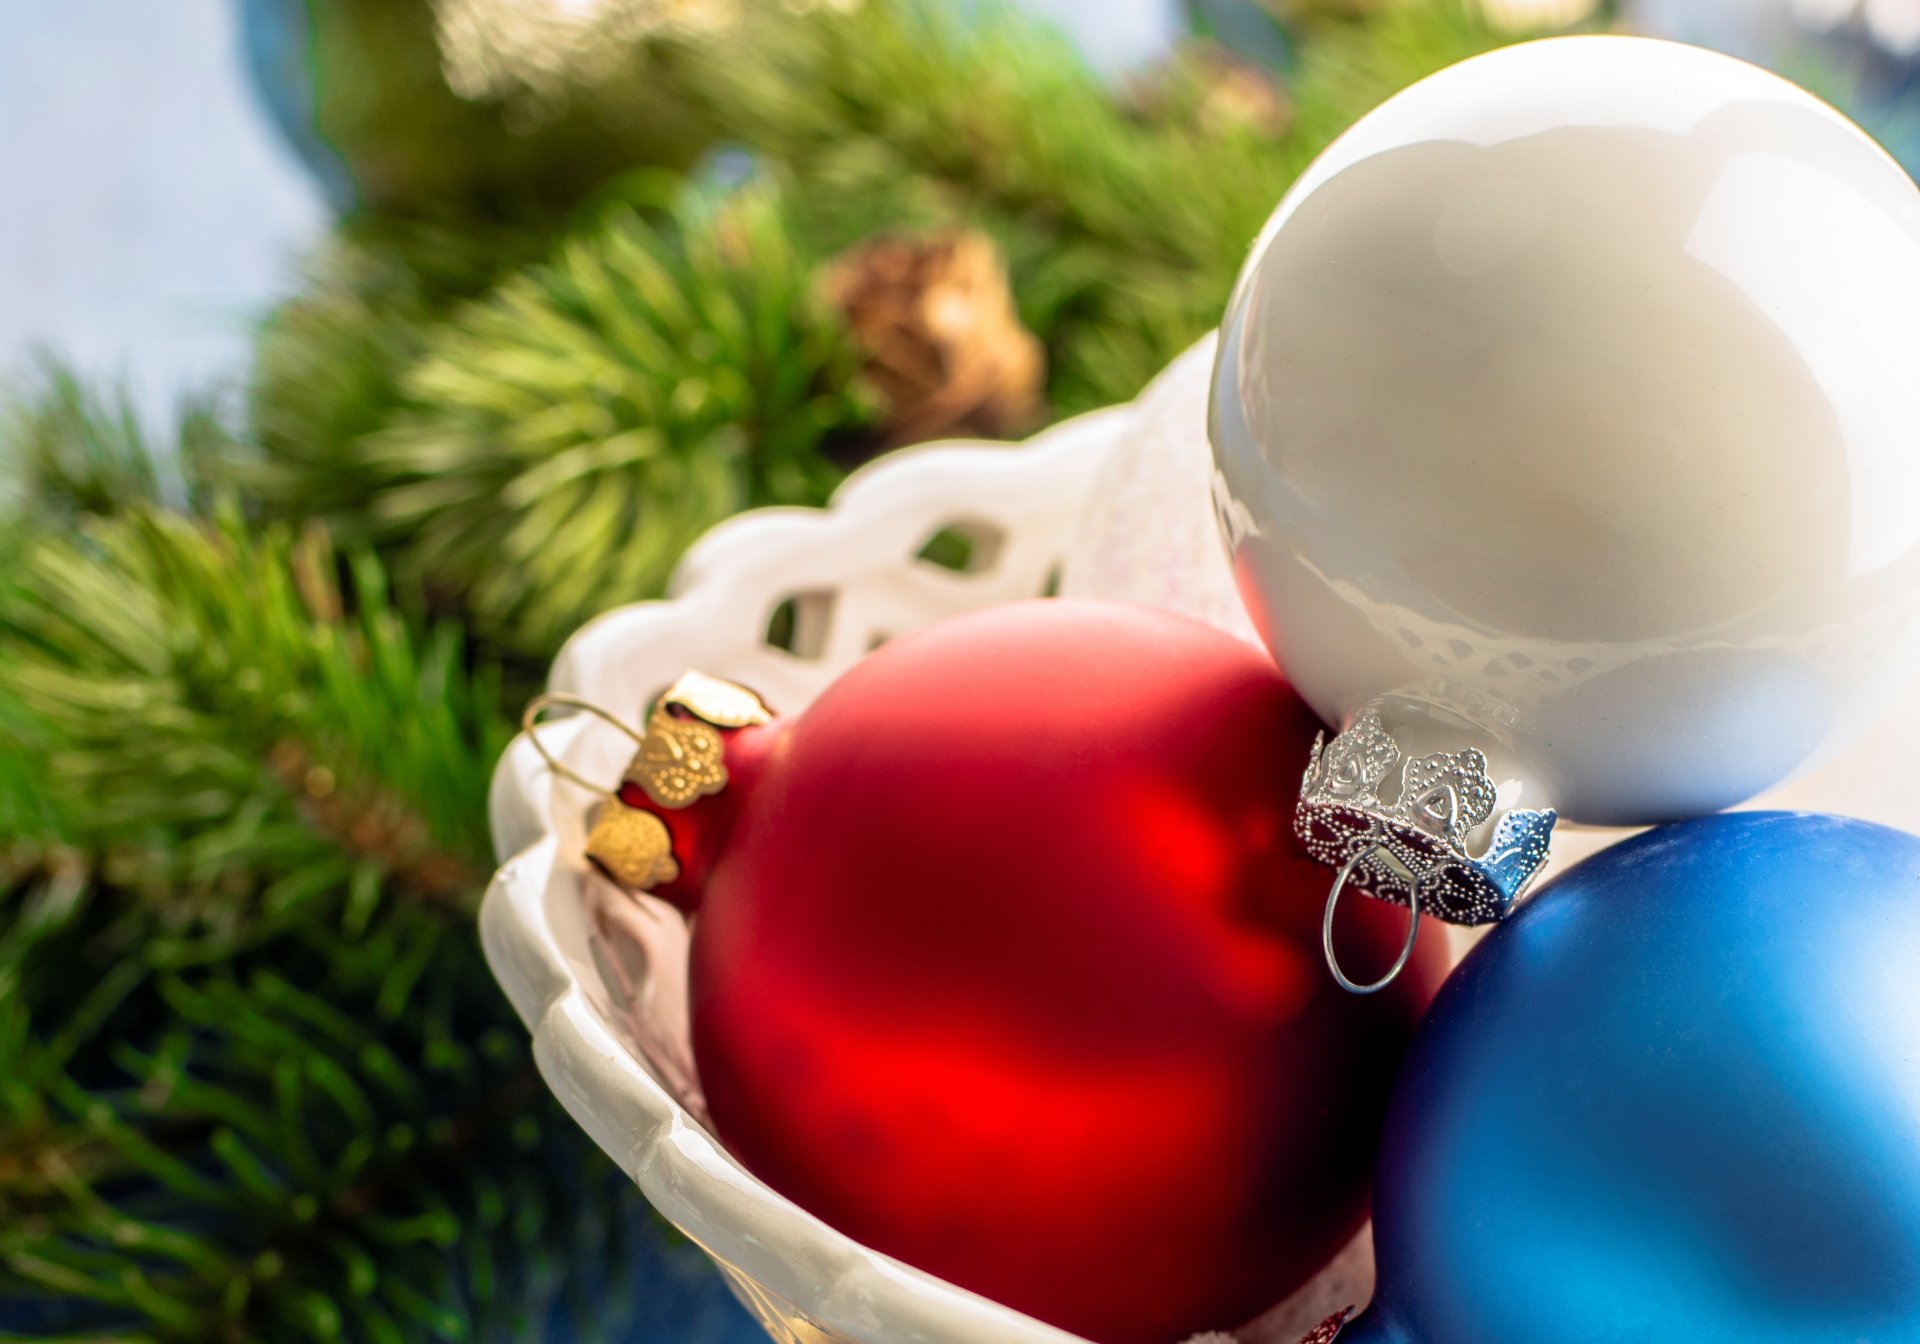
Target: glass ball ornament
x,y
1672,1101
1562,414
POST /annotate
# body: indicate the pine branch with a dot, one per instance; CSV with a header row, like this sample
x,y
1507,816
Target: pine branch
x,y
219,1154
568,437
68,451
1124,234
992,104
192,701
256,1084
328,366
74,451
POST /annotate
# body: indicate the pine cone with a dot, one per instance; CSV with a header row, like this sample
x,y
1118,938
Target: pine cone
x,y
1239,93
934,316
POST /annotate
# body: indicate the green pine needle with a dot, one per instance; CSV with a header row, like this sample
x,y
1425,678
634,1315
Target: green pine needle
x,y
328,367
256,1084
327,1139
567,438
215,711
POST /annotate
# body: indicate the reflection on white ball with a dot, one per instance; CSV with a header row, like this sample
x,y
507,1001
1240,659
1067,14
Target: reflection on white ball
x,y
1572,394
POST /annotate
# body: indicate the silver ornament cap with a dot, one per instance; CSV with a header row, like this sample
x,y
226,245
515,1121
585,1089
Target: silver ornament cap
x,y
1418,840
1411,849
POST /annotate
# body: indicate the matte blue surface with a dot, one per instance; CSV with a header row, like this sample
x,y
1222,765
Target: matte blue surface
x,y
1675,1100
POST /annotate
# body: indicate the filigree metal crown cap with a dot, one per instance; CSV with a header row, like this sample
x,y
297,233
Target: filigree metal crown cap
x,y
1413,850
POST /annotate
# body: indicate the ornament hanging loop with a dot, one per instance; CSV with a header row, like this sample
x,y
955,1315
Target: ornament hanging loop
x,y
530,723
1333,907
1417,837
631,846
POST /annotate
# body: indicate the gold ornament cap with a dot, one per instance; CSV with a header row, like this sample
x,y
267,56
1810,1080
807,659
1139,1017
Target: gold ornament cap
x,y
682,756
633,847
680,760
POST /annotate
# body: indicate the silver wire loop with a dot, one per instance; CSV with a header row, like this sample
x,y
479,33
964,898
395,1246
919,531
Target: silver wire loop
x,y
1333,906
530,721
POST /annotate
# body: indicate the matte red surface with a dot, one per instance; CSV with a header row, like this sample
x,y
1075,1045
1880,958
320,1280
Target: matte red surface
x,y
1006,963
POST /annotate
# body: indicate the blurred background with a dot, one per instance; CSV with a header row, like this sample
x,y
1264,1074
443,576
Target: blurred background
x,y
353,352
183,170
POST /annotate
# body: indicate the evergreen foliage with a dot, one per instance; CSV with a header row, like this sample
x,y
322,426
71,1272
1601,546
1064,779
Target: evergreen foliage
x,y
328,364
564,440
255,1081
257,1085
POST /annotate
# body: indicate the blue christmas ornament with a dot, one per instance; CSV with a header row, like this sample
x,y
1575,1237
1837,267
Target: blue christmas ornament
x,y
1674,1100
277,39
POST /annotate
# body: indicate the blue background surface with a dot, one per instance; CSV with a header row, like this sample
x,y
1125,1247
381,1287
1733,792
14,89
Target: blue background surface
x,y
148,209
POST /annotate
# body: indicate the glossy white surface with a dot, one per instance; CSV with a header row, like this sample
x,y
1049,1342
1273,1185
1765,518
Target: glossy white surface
x,y
1164,455
600,979
1572,393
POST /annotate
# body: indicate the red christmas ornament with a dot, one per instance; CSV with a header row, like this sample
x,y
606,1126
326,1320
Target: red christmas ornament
x,y
1006,962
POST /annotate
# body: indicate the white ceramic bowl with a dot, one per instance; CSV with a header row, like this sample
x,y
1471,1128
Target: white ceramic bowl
x,y
600,979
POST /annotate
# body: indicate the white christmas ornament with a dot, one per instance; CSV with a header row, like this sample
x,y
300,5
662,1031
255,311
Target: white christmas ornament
x,y
1564,414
